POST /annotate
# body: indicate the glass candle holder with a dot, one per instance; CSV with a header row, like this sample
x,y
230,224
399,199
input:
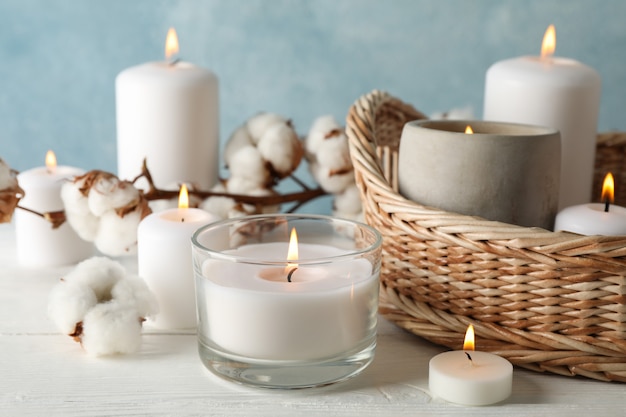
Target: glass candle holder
x,y
273,316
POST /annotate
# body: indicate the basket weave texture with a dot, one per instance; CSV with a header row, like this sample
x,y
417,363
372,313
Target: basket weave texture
x,y
546,301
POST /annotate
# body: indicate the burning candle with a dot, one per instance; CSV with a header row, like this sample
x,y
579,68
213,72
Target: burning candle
x,y
164,261
167,113
290,312
557,92
499,171
38,244
469,377
595,218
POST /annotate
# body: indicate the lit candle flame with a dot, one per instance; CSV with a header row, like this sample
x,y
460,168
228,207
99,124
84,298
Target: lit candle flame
x,y
171,44
51,162
183,197
292,252
549,42
608,189
468,344
469,130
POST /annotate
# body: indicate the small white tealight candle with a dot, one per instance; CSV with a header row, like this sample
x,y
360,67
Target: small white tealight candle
x,y
468,377
603,219
38,244
164,261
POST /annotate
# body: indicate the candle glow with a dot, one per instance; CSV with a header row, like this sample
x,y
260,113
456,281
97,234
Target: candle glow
x,y
469,130
183,197
171,44
51,162
468,343
608,189
548,45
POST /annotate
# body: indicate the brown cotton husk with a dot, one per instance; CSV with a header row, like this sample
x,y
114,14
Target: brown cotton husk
x,y
9,198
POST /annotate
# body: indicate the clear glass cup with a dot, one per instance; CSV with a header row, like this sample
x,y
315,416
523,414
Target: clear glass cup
x,y
269,318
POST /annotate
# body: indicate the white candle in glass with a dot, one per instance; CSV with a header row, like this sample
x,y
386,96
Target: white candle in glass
x,y
164,261
468,377
37,243
266,313
603,219
167,112
556,92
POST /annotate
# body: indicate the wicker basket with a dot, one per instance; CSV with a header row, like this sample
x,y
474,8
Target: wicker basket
x,y
546,301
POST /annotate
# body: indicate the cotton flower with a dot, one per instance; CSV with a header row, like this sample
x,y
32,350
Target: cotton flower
x,y
258,125
348,205
102,307
281,148
105,210
10,192
218,205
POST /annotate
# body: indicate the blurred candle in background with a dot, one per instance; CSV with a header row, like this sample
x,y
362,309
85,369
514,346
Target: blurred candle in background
x,y
555,92
167,112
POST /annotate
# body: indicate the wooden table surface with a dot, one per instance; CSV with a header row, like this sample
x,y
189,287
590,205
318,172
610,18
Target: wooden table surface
x,y
44,373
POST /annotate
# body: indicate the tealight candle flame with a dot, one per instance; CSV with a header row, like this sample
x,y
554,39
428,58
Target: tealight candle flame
x,y
292,254
51,161
469,130
171,44
468,344
549,42
608,191
183,197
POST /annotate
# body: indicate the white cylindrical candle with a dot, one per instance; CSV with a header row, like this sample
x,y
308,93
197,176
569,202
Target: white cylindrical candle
x,y
167,112
325,311
556,92
164,262
37,243
485,379
592,219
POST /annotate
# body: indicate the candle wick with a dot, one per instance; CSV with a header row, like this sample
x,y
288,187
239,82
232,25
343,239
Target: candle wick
x,y
290,274
182,220
607,203
469,357
173,62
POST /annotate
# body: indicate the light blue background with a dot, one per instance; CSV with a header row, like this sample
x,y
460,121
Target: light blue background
x,y
59,59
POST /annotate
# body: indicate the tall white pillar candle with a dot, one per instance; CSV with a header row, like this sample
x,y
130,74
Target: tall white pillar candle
x,y
167,112
164,262
37,243
555,92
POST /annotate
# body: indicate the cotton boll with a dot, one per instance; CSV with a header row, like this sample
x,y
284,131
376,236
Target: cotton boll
x,y
111,328
133,291
282,148
98,273
117,235
239,185
259,124
7,178
108,193
248,163
349,201
68,304
331,183
73,199
321,127
240,138
334,154
218,206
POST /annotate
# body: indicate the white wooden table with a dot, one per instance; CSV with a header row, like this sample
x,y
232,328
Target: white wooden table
x,y
44,373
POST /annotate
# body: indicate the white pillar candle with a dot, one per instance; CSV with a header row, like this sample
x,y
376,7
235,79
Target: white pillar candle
x,y
469,377
164,262
37,243
556,92
167,112
325,311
